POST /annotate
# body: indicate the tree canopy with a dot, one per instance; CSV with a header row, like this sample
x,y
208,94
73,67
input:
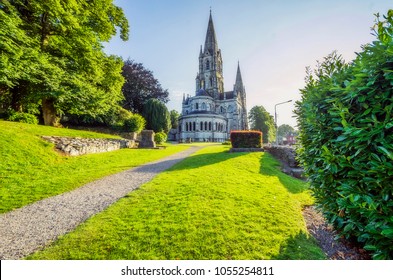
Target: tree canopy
x,y
157,116
174,118
52,56
284,129
140,86
261,120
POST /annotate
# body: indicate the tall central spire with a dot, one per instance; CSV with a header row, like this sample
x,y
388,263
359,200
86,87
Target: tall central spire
x,y
211,42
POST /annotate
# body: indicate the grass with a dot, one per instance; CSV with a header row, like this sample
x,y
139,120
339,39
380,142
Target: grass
x,y
31,170
212,205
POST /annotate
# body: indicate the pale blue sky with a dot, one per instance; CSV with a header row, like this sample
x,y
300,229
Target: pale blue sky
x,y
273,40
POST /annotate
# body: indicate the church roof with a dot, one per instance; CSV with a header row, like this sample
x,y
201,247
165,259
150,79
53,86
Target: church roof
x,y
202,92
211,41
228,95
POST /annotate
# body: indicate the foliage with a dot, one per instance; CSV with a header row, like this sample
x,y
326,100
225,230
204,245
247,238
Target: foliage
x,y
247,209
246,139
157,116
346,134
284,129
261,120
135,123
160,137
30,169
140,86
23,118
52,56
226,143
174,115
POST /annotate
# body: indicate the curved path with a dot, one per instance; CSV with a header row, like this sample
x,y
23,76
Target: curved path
x,y
28,229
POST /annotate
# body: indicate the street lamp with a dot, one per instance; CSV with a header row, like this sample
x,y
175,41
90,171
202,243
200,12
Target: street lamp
x,y
275,116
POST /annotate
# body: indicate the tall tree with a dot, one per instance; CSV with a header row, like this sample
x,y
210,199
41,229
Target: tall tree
x,y
174,118
71,73
157,116
284,129
140,86
261,120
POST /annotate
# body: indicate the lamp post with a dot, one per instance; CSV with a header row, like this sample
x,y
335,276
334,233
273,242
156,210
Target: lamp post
x,y
275,116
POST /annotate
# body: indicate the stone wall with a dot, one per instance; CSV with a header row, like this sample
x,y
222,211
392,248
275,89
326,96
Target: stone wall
x,y
80,146
287,156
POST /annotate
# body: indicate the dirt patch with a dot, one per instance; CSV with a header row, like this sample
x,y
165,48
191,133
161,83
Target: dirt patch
x,y
335,249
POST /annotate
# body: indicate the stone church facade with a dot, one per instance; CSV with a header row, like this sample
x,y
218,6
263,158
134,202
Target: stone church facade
x,y
212,113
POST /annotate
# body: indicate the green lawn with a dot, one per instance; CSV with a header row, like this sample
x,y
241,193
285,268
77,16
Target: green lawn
x,y
31,170
212,205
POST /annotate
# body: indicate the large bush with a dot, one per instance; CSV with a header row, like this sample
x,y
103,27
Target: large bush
x,y
23,118
134,123
345,120
160,137
246,139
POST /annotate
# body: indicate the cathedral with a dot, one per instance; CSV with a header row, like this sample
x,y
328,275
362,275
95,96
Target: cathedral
x,y
212,113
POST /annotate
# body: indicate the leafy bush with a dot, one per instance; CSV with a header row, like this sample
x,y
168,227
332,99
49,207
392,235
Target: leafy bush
x,y
246,139
134,123
345,120
23,118
160,137
226,143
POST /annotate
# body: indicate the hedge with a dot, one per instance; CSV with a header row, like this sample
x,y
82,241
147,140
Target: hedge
x,y
246,139
345,119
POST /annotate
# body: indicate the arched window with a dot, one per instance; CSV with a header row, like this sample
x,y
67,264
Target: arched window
x,y
196,106
211,82
230,109
210,126
203,106
207,64
186,112
186,126
205,125
216,126
222,109
193,126
201,126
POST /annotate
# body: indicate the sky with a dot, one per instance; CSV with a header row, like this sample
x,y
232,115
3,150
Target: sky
x,y
274,42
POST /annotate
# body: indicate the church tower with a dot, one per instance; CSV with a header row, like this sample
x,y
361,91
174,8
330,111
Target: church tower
x,y
240,92
210,76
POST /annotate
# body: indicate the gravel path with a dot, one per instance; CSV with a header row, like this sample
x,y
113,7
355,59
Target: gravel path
x,y
28,229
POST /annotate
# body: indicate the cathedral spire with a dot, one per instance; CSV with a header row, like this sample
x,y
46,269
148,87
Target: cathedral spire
x,y
211,41
239,81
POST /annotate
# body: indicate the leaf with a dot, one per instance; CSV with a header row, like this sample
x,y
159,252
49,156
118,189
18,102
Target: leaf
x,y
387,232
386,152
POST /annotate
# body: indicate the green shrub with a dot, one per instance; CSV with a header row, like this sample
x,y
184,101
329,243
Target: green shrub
x,y
345,120
246,139
134,123
226,143
23,118
160,137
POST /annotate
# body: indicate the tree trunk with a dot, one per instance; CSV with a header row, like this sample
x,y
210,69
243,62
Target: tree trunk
x,y
49,112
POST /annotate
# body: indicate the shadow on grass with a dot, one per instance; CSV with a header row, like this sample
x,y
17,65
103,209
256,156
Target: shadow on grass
x,y
271,167
201,160
300,247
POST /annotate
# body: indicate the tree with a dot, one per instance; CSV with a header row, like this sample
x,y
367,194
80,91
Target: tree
x,y
157,116
261,120
140,86
284,129
69,70
174,119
